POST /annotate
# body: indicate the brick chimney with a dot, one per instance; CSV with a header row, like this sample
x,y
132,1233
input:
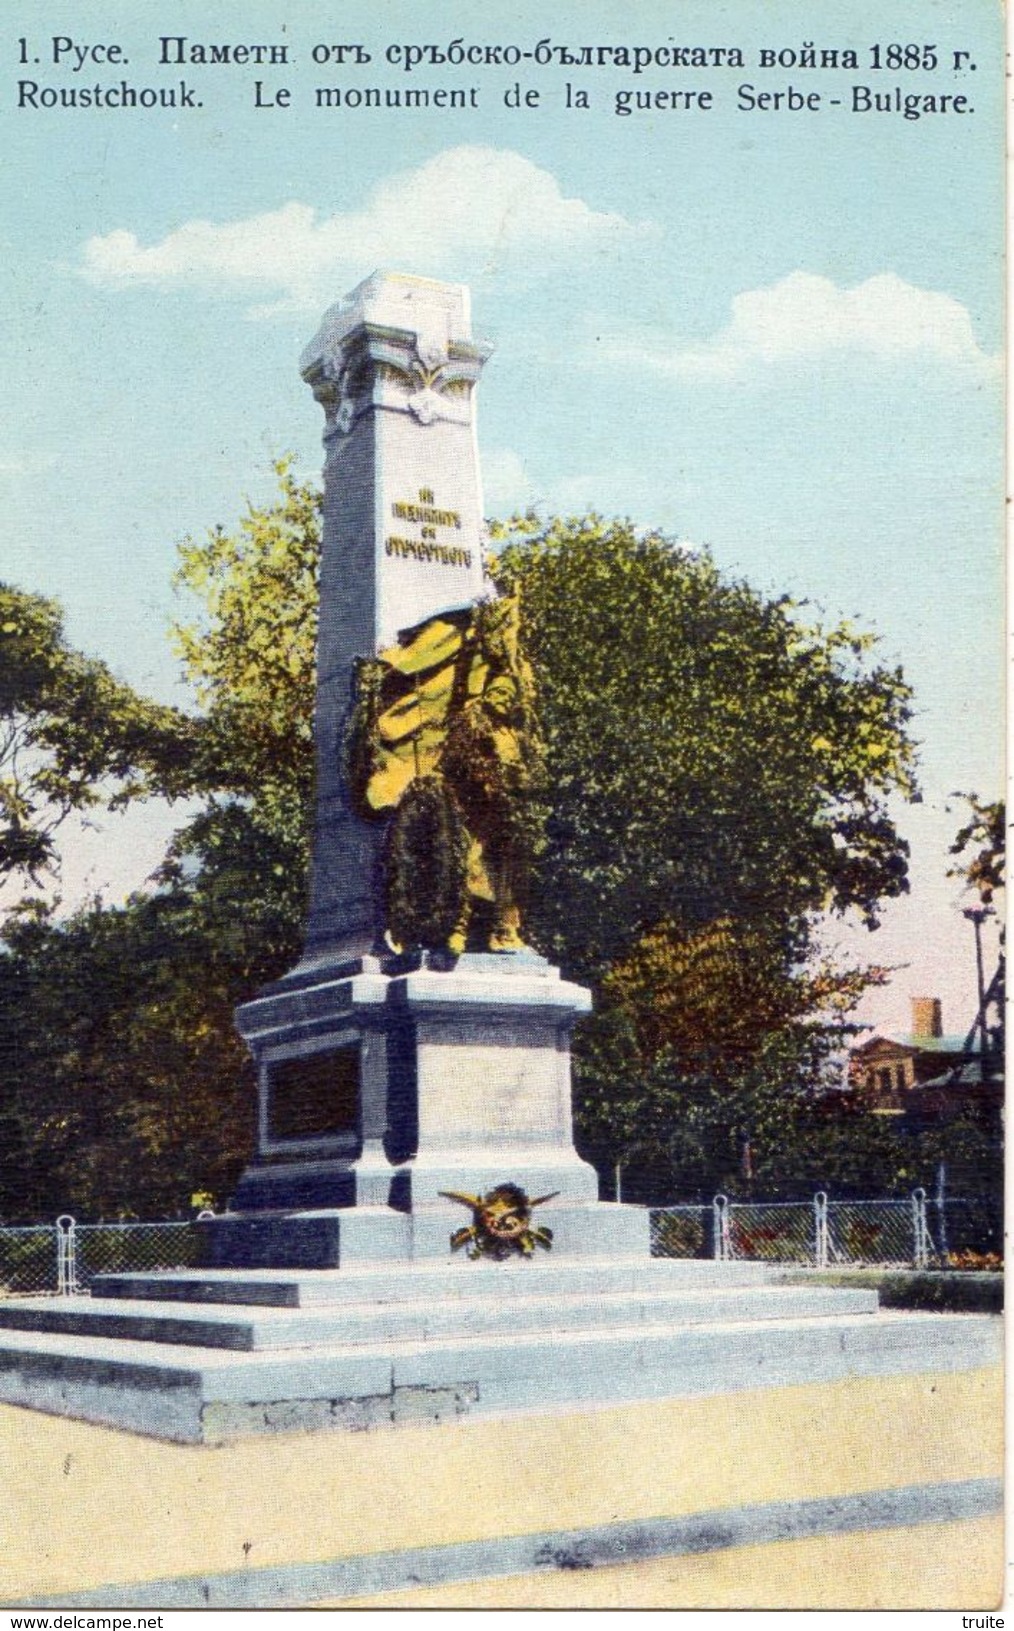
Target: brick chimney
x,y
927,1017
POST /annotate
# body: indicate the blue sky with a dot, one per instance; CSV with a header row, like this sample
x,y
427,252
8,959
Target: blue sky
x,y
776,334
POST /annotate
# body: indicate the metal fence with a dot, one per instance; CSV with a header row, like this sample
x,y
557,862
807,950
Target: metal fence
x,y
915,1232
29,1260
64,1257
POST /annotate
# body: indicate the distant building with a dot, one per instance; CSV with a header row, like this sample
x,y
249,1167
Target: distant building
x,y
923,1073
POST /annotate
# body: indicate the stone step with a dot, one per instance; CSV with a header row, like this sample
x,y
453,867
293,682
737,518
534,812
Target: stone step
x,y
382,1283
210,1395
223,1326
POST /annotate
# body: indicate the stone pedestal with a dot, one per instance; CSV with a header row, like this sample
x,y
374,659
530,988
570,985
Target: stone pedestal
x,y
383,1088
492,1066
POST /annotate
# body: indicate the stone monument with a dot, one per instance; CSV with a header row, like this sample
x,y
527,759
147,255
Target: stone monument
x,y
414,1069
391,1073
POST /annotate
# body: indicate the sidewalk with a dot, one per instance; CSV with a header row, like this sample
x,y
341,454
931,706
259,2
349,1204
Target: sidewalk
x,y
301,1517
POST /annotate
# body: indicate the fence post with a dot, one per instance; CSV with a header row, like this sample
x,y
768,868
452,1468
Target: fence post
x,y
66,1255
920,1241
942,1213
720,1233
820,1229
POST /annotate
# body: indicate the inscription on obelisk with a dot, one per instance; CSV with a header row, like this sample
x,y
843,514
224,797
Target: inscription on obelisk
x,y
394,367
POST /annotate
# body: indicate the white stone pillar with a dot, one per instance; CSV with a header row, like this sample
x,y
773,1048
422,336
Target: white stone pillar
x,y
394,367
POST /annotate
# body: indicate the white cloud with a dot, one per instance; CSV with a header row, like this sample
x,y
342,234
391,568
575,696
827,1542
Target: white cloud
x,y
804,317
460,213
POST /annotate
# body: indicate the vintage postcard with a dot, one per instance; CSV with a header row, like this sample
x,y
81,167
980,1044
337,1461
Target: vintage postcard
x,y
501,806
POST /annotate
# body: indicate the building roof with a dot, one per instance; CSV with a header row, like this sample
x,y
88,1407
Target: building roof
x,y
912,1042
955,1043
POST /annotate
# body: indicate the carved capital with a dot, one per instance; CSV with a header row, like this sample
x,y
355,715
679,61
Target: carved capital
x,y
374,366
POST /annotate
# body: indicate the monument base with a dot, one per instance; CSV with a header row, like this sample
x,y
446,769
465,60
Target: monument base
x,y
203,1356
388,1092
385,1083
360,1313
363,1235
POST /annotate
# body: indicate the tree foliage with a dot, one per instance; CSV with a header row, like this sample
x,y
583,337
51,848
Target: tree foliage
x,y
710,1064
711,753
250,653
124,1087
123,1084
712,993
720,768
981,845
718,774
71,735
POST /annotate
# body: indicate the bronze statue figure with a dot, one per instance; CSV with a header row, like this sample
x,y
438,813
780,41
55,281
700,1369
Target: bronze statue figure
x,y
444,742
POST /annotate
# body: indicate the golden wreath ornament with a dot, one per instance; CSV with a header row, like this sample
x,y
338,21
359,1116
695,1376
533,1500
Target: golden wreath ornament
x,y
501,1223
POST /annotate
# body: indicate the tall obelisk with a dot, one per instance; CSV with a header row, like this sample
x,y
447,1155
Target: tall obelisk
x,y
394,367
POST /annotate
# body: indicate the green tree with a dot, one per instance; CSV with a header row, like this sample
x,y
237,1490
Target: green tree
x,y
124,1088
123,1083
711,752
250,654
71,735
981,845
720,769
248,648
727,1050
